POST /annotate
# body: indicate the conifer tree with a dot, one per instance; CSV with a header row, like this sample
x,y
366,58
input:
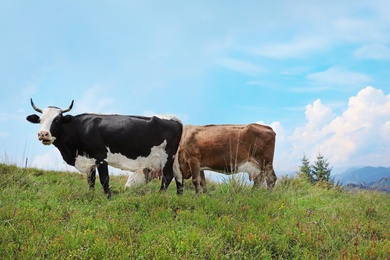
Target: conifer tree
x,y
305,170
320,170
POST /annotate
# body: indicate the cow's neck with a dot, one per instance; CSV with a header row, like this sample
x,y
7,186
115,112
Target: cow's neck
x,y
67,145
67,151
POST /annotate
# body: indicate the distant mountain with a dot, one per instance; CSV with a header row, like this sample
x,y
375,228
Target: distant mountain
x,y
363,175
368,177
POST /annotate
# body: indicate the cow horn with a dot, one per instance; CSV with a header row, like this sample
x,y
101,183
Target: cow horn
x,y
35,108
70,107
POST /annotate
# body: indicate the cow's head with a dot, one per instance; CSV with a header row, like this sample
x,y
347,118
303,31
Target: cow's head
x,y
51,121
151,173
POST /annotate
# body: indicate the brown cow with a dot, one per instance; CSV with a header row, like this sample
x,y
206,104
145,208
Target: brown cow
x,y
229,149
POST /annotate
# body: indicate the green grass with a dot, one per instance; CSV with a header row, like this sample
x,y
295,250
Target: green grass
x,y
53,215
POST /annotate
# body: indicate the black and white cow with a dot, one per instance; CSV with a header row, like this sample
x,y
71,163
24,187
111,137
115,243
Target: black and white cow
x,y
90,141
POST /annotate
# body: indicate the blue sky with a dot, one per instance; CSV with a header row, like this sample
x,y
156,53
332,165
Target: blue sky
x,y
316,71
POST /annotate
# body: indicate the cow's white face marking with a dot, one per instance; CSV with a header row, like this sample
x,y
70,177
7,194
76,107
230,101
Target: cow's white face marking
x,y
46,120
156,159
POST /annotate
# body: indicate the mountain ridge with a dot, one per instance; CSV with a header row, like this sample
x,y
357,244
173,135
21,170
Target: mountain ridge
x,y
367,177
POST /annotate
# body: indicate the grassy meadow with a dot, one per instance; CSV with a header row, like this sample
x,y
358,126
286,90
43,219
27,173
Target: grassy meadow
x,y
53,215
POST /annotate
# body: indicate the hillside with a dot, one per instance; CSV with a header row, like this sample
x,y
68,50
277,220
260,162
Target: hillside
x,y
53,215
368,178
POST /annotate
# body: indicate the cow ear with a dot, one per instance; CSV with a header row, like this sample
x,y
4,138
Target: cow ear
x,y
67,119
33,119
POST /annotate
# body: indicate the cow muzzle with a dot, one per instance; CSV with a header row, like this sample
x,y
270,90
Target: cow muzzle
x,y
151,173
45,137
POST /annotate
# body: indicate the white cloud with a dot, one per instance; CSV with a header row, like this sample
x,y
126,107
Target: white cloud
x,y
317,114
339,77
373,52
305,140
359,130
358,136
296,48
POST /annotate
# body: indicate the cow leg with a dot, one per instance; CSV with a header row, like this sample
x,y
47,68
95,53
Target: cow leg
x,y
168,174
104,178
196,177
165,181
179,186
91,177
203,181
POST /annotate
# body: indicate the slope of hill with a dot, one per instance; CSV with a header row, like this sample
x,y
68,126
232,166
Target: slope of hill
x,y
53,215
366,175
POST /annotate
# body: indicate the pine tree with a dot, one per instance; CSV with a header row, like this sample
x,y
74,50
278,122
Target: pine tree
x,y
320,171
305,170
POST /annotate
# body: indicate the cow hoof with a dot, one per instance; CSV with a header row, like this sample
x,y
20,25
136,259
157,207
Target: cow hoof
x,y
108,194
